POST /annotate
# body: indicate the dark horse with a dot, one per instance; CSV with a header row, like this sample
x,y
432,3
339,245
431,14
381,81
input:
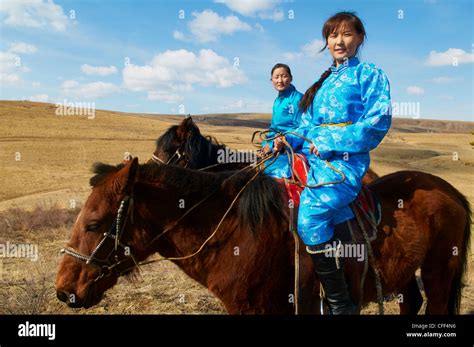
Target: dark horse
x,y
184,145
248,263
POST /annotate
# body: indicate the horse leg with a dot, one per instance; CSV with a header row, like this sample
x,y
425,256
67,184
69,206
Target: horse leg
x,y
411,299
437,289
439,273
444,265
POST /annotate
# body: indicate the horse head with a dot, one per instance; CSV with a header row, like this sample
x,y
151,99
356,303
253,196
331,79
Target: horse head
x,y
184,145
172,145
99,250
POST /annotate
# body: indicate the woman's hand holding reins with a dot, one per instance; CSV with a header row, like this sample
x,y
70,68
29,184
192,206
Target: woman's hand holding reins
x,y
264,151
278,144
313,149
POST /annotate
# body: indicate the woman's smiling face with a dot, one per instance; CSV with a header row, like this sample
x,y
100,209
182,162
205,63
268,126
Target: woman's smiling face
x,y
343,43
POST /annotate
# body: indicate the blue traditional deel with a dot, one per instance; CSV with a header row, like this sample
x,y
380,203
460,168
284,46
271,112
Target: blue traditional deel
x,y
354,92
286,117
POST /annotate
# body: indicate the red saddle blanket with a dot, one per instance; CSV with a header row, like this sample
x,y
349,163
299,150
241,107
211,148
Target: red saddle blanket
x,y
366,204
294,186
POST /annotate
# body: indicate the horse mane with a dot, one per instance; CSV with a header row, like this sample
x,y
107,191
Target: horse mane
x,y
261,199
201,150
213,140
166,139
101,171
177,177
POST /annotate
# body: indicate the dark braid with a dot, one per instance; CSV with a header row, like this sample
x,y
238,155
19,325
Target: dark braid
x,y
308,97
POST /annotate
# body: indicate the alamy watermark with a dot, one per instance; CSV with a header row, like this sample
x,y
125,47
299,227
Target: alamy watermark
x,y
407,109
241,156
28,329
19,250
76,109
345,250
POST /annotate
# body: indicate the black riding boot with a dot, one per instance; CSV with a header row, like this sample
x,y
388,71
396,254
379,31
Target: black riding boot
x,y
333,280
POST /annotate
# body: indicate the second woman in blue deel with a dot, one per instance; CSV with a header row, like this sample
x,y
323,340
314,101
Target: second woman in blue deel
x,y
286,116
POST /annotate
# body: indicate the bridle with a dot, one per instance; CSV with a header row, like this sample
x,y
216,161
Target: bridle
x,y
179,154
109,265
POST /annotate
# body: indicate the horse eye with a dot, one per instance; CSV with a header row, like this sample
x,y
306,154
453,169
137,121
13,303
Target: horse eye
x,y
93,227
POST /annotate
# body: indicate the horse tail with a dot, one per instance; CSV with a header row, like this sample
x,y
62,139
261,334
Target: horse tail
x,y
454,303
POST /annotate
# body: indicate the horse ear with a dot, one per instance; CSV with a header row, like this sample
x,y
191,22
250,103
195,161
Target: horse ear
x,y
188,121
183,129
126,177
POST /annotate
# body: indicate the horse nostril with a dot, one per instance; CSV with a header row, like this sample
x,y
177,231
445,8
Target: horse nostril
x,y
61,296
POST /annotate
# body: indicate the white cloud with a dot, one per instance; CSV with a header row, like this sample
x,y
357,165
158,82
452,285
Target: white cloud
x,y
446,97
92,90
443,80
178,35
98,70
8,68
9,79
35,84
313,49
22,47
293,55
34,14
39,98
207,26
452,56
179,71
69,84
242,105
11,64
263,9
259,27
415,90
276,16
249,7
97,89
165,97
310,50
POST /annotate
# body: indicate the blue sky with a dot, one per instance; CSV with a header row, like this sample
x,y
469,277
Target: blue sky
x,y
215,56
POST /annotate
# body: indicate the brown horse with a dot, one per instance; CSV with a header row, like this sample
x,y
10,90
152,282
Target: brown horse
x,y
248,262
184,145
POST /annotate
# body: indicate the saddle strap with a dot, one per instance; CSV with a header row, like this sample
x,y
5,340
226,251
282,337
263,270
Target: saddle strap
x,y
375,267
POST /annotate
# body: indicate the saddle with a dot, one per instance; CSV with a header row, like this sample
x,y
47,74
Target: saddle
x,y
366,205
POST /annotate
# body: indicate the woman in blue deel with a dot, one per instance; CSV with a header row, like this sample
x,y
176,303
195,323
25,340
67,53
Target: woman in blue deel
x,y
346,114
286,116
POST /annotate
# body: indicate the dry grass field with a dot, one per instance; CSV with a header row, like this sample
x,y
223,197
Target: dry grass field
x,y
44,175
